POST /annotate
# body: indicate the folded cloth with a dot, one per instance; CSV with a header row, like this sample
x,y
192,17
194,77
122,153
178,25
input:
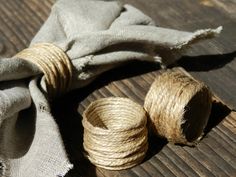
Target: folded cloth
x,y
96,36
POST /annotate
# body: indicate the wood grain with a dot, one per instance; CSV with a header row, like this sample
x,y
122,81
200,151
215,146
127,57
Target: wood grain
x,y
214,156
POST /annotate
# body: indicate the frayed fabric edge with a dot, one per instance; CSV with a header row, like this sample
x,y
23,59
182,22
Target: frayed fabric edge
x,y
66,169
198,35
4,167
180,48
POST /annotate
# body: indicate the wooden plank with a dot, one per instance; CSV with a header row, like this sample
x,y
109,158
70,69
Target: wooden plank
x,y
209,158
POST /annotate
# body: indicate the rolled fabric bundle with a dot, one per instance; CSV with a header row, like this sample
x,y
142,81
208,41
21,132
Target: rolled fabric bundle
x,y
94,36
115,133
178,107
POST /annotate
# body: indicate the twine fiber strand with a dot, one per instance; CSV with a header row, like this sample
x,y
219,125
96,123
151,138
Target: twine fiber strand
x,y
115,133
53,62
178,107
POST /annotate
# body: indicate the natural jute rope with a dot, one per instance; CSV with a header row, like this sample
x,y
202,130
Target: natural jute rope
x,y
178,107
115,133
53,62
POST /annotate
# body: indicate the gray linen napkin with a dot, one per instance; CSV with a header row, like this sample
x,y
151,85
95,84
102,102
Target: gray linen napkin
x,y
97,36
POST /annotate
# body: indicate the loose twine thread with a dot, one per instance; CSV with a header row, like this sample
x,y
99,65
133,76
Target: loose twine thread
x,y
115,133
53,62
178,107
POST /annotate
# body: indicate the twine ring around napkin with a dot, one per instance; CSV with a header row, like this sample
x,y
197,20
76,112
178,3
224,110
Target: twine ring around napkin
x,y
53,62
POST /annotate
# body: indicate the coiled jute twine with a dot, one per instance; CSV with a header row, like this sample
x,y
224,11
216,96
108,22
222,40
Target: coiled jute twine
x,y
178,107
53,62
115,133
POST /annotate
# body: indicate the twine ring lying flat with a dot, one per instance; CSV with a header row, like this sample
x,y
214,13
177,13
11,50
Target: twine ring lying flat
x,y
178,107
53,62
115,133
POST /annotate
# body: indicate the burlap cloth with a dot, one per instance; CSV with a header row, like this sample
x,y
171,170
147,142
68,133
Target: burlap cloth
x,y
97,36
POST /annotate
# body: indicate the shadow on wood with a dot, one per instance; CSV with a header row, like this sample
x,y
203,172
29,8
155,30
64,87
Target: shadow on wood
x,y
206,62
219,111
65,111
155,145
69,121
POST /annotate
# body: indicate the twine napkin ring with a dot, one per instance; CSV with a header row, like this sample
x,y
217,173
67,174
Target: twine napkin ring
x,y
115,133
178,107
53,62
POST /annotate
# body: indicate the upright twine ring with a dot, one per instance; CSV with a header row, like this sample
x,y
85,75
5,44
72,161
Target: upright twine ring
x,y
178,107
53,62
115,133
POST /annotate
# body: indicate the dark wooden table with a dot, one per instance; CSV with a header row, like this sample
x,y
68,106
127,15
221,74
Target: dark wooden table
x,y
212,61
